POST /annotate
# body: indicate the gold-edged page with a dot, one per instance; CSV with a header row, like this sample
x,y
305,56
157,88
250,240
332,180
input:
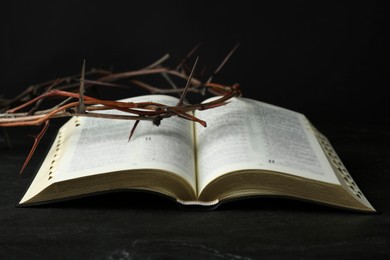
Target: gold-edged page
x,y
251,135
96,146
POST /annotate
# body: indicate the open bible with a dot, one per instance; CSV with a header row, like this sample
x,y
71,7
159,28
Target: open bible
x,y
249,148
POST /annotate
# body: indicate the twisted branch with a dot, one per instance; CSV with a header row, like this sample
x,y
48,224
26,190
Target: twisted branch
x,y
73,102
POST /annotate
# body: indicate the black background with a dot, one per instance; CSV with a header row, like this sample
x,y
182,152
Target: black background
x,y
329,62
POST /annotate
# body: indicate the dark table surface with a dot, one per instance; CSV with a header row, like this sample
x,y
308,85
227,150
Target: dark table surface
x,y
130,225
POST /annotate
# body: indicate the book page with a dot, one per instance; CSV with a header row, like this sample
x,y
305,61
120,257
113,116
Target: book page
x,y
95,146
250,135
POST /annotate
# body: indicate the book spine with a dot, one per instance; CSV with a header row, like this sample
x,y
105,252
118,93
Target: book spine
x,y
198,203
